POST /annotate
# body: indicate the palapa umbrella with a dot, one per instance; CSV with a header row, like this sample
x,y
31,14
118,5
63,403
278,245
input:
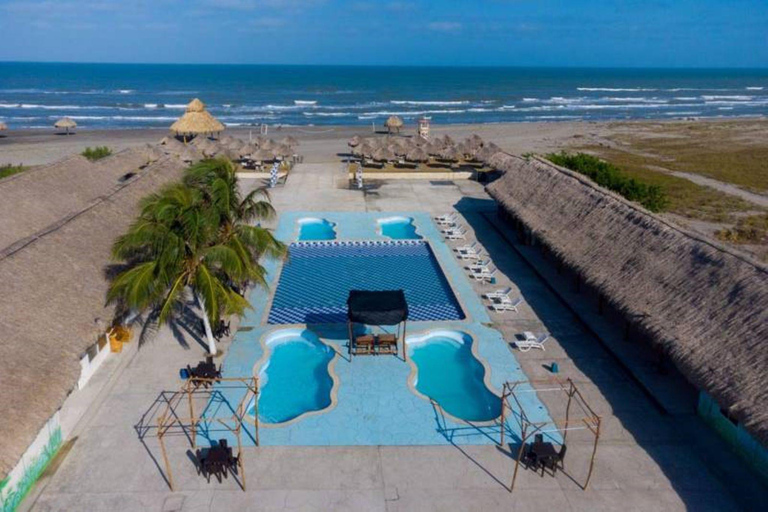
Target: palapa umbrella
x,y
196,120
464,148
226,139
450,153
189,155
65,123
448,141
268,144
366,149
283,150
248,149
417,154
152,153
487,152
3,126
432,149
289,141
235,145
393,124
262,155
383,155
354,141
418,141
475,141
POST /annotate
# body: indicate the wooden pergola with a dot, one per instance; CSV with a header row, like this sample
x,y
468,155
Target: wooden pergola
x,y
584,418
204,389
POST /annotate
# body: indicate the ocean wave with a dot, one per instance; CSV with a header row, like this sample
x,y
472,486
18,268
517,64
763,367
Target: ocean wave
x,y
733,97
615,89
328,114
754,88
531,100
304,103
429,103
414,112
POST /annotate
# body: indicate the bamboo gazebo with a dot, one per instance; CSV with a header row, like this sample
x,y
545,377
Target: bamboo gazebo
x,y
196,121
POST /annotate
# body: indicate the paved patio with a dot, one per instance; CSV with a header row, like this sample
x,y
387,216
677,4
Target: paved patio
x,y
646,460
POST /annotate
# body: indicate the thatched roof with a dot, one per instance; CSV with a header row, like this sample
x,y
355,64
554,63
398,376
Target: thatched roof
x,y
417,154
262,155
394,122
65,122
354,141
450,153
383,155
487,152
196,120
706,305
3,126
56,280
289,141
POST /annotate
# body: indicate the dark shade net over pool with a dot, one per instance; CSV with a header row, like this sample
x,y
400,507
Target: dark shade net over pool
x,y
316,281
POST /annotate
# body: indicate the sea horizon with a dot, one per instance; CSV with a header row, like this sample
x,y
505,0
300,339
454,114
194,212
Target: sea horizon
x,y
132,95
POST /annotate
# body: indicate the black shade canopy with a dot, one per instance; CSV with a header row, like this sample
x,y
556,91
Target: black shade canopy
x,y
377,308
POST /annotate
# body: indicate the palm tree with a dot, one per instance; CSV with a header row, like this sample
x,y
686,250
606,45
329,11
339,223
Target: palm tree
x,y
193,237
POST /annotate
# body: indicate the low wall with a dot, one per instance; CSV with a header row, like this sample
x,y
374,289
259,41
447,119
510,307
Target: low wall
x,y
734,434
448,175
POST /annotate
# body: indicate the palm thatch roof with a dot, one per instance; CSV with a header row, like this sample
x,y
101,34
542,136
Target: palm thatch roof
x,y
704,304
354,141
450,153
65,123
196,120
432,149
383,155
268,144
289,141
262,155
3,126
248,149
283,150
394,122
487,152
54,270
417,154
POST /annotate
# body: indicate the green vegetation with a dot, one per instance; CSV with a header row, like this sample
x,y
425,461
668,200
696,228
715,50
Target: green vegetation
x,y
96,153
748,230
685,198
197,236
32,471
613,178
10,170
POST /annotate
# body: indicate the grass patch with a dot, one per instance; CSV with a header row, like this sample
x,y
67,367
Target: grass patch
x,y
96,153
684,197
607,175
10,170
731,152
751,230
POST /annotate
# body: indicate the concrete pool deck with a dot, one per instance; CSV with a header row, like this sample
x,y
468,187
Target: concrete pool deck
x,y
375,405
646,460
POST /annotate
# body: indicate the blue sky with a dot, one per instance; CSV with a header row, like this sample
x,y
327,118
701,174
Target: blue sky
x,y
681,33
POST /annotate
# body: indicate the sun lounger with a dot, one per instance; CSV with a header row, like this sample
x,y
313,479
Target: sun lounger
x,y
483,275
479,266
452,229
531,341
468,255
448,218
455,235
506,304
498,294
474,248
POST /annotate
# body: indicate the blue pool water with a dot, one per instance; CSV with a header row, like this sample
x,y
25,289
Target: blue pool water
x,y
295,379
316,280
399,228
316,229
450,374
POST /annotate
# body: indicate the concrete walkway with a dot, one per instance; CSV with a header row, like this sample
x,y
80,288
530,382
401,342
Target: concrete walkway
x,y
644,462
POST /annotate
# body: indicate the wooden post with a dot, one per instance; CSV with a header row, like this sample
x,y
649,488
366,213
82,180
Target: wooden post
x,y
523,437
594,452
160,432
240,454
568,412
256,410
503,401
191,414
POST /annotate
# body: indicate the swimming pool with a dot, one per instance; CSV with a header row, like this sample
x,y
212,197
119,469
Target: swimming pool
x,y
295,379
315,282
398,228
311,228
449,373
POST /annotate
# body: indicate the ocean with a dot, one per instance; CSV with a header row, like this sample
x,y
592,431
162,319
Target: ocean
x,y
34,95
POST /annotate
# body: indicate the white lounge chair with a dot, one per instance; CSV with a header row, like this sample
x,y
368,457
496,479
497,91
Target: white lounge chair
x,y
468,255
506,304
456,235
448,218
452,229
531,341
498,294
479,266
483,275
474,248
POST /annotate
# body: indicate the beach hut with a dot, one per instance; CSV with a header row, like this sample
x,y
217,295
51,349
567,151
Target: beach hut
x,y
65,123
196,120
393,124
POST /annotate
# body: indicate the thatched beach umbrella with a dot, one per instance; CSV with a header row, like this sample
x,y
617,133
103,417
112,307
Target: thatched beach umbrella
x,y
262,155
475,141
465,148
417,154
196,120
448,141
366,149
65,123
393,124
432,149
354,141
189,155
283,150
3,126
450,153
248,149
487,152
289,141
268,144
383,155
152,153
